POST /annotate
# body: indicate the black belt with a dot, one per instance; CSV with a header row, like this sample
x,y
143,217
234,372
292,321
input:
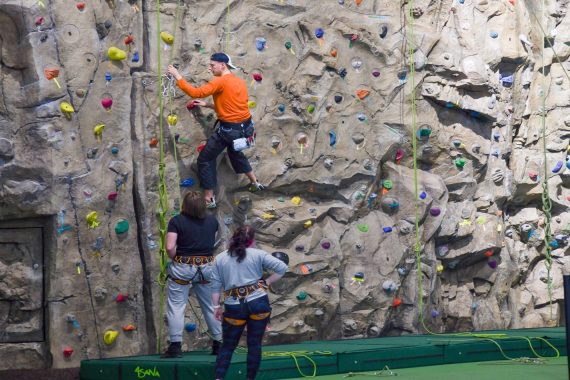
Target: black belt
x,y
241,124
242,291
193,260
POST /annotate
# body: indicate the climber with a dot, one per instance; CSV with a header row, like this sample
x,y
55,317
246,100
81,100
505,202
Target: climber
x,y
230,103
238,271
190,243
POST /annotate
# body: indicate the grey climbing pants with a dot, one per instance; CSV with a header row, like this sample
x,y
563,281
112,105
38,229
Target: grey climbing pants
x,y
178,297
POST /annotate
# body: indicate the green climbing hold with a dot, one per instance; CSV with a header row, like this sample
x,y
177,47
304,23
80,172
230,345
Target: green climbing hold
x,y
288,45
387,184
121,227
311,108
362,227
281,199
302,295
425,132
460,162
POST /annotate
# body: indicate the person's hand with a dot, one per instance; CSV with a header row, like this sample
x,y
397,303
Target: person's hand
x,y
200,103
174,72
218,313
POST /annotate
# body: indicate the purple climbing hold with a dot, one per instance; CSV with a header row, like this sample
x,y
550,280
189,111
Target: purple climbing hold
x,y
434,313
558,166
492,264
434,211
326,245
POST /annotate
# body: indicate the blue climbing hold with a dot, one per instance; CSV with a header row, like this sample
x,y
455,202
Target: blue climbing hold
x,y
387,229
506,80
281,108
108,76
558,166
423,195
189,327
319,32
188,182
136,57
554,244
260,43
332,138
496,136
494,34
114,150
568,164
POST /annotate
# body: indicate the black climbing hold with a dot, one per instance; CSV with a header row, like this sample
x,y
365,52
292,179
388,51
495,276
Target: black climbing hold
x,y
108,24
342,72
43,37
338,99
281,256
383,31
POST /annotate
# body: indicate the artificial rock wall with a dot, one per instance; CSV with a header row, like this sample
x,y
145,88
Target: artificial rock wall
x,y
331,95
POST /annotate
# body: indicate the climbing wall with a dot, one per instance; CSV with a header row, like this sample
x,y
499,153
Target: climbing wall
x,y
402,143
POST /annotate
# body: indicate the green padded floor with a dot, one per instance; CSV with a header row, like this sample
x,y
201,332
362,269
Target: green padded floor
x,y
341,356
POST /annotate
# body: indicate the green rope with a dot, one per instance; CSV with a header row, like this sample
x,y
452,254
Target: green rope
x,y
162,191
546,202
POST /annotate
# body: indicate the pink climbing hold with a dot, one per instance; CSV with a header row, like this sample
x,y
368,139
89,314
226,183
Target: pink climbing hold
x,y
399,155
107,103
533,175
112,196
257,77
121,298
39,20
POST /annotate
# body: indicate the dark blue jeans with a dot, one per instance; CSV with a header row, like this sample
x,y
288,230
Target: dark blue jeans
x,y
222,139
255,315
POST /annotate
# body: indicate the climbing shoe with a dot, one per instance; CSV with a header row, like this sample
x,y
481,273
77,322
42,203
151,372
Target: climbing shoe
x,y
216,344
254,187
211,203
174,351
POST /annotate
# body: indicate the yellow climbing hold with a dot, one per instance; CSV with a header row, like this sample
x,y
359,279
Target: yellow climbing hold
x,y
116,54
98,131
267,216
172,120
167,38
308,224
91,219
67,109
110,337
465,222
296,200
252,104
439,268
481,220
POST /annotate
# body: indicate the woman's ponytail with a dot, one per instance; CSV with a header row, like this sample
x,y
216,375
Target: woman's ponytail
x,y
241,239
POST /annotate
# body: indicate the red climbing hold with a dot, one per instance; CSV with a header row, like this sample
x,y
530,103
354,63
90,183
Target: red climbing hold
x,y
257,77
121,298
399,155
112,196
80,6
39,20
397,302
153,142
129,39
488,253
190,105
67,352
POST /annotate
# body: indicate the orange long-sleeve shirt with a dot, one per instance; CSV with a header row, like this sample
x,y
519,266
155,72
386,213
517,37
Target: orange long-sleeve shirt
x,y
229,93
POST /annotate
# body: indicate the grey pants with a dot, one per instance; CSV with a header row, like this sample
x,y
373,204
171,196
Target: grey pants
x,y
178,297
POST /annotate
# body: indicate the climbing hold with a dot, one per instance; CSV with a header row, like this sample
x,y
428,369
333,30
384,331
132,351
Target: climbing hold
x,y
257,77
91,219
172,119
387,184
129,327
390,205
506,79
110,337
533,175
153,142
434,313
302,140
334,52
311,108
80,6
129,39
300,248
108,78
387,230
375,73
190,327
492,264
442,251
260,43
558,166
424,132
361,117
358,278
423,195
167,38
402,271
474,306
371,198
439,268
356,64
402,76
319,33
434,211
389,286
460,162
98,131
362,94
399,155
332,138
136,57
308,224
122,227
342,72
281,108
553,244
67,109
493,34
328,163
107,103
358,2
338,99
67,352
114,150
251,104
296,200
353,38
302,295
281,256
362,227
289,46
116,54
120,298
325,244
396,302
112,196
52,74
188,182
383,31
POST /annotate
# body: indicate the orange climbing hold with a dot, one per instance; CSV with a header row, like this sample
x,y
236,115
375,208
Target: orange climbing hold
x,y
334,52
488,253
362,93
358,2
153,142
397,302
129,327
